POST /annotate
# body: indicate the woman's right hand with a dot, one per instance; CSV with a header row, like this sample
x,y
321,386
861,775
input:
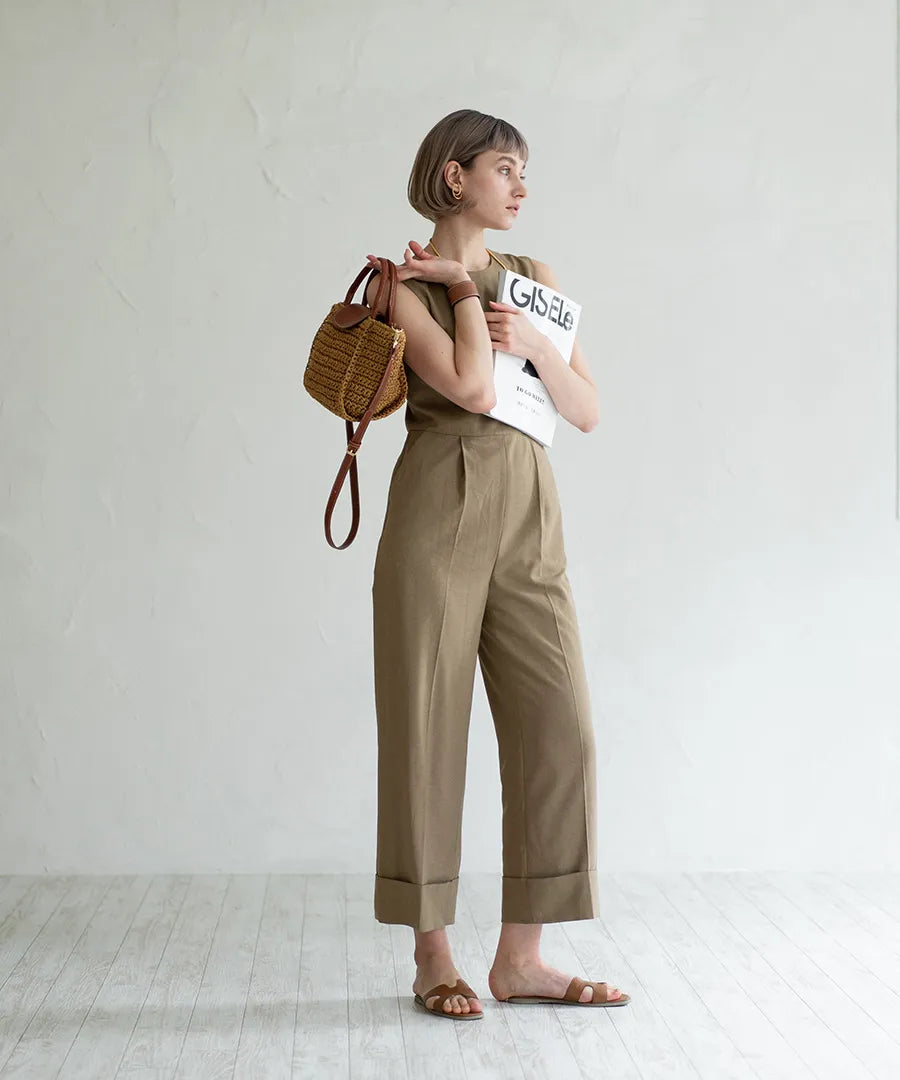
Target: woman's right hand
x,y
419,263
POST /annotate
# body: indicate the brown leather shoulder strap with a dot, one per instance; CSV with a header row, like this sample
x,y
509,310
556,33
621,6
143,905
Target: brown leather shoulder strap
x,y
354,438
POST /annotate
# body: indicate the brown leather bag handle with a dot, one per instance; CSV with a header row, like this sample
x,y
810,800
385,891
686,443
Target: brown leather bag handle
x,y
387,284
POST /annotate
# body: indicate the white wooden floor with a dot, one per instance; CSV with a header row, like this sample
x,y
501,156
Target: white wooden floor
x,y
782,976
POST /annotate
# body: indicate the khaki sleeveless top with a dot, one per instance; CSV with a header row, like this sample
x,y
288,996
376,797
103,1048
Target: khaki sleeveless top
x,y
426,408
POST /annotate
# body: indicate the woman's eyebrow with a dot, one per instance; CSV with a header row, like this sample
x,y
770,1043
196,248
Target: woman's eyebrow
x,y
506,157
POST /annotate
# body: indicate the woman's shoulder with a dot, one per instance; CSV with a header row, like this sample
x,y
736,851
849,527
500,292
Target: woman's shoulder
x,y
422,289
419,285
522,264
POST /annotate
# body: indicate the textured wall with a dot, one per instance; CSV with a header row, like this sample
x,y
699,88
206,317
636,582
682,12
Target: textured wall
x,y
184,190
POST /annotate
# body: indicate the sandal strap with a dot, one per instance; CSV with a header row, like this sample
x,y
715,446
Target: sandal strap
x,y
444,991
576,988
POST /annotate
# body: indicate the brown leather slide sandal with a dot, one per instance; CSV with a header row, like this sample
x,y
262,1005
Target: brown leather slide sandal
x,y
571,996
444,991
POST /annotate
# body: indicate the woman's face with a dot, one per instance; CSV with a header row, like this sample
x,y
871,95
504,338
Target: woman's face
x,y
495,183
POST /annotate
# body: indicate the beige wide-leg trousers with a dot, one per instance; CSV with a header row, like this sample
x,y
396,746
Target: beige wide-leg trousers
x,y
471,564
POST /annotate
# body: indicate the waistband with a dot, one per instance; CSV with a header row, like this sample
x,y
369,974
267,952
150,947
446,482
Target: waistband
x,y
497,430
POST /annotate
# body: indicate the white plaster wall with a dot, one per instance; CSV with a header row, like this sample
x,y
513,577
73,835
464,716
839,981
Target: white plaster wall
x,y
186,188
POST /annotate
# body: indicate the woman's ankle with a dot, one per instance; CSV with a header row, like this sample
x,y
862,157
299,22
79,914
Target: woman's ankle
x,y
431,945
509,961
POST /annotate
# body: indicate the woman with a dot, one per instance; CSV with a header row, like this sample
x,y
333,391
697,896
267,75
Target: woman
x,y
471,565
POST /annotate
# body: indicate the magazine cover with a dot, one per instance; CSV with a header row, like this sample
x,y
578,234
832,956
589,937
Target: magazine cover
x,y
522,399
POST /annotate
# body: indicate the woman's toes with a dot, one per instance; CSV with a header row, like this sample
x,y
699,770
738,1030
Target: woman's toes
x,y
455,1004
612,992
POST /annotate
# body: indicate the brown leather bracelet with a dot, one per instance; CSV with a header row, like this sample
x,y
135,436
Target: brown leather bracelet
x,y
461,290
460,299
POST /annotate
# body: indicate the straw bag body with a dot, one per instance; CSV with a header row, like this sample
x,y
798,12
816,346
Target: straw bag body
x,y
355,369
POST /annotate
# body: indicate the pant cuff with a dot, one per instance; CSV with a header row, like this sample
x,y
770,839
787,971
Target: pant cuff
x,y
423,907
550,899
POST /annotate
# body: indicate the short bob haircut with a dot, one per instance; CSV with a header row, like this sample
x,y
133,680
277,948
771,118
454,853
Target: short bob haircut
x,y
460,136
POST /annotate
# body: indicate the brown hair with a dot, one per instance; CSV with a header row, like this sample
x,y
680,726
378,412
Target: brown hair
x,y
460,136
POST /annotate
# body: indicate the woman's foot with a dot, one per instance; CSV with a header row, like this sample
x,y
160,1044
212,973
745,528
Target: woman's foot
x,y
431,971
506,980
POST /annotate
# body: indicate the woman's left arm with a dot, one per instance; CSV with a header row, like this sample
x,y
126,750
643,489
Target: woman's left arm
x,y
570,385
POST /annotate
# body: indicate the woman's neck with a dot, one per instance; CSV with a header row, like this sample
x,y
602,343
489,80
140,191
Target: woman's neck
x,y
465,246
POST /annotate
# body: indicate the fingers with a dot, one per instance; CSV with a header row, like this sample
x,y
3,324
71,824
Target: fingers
x,y
414,253
411,256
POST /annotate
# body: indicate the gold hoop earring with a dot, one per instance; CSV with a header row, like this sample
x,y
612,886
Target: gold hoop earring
x,y
457,193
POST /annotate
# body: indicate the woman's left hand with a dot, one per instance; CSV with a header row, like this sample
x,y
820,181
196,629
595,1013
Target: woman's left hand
x,y
512,332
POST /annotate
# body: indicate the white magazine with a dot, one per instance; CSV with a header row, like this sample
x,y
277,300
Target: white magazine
x,y
522,399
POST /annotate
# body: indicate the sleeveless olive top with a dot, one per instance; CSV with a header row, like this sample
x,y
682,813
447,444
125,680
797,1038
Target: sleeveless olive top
x,y
426,408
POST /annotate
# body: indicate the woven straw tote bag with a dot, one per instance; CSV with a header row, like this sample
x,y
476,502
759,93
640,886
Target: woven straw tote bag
x,y
355,369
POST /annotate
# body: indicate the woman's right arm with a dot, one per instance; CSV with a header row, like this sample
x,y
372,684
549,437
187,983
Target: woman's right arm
x,y
461,370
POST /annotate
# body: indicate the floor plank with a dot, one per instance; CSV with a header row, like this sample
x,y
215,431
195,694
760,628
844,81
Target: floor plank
x,y
764,1050
155,1043
732,976
853,1002
376,1048
45,1043
99,1046
321,1033
808,1017
43,934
